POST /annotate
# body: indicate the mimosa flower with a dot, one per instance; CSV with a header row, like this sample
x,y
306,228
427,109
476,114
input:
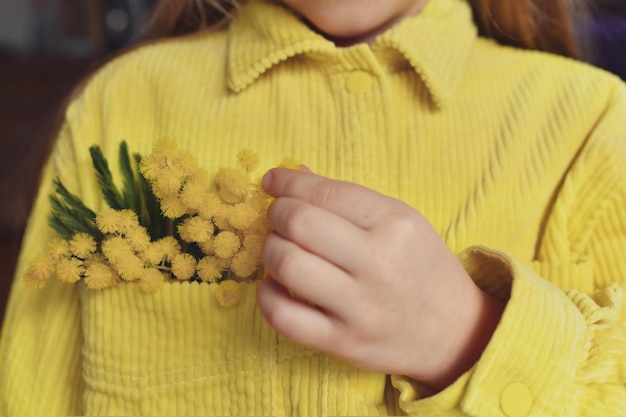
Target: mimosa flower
x,y
228,293
228,197
183,266
241,216
247,160
82,245
163,250
213,207
167,184
194,197
196,229
99,276
170,247
199,177
107,220
130,267
38,272
259,200
244,264
233,181
69,270
173,208
127,221
223,263
290,163
186,161
220,219
209,270
254,243
207,247
151,166
226,244
138,239
151,280
57,249
116,248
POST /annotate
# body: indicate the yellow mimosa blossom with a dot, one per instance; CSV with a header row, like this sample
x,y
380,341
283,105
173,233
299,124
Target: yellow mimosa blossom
x,y
223,263
233,181
244,264
173,208
127,221
150,166
194,197
38,272
260,226
199,177
220,219
208,269
139,239
226,244
167,184
116,249
151,280
183,266
290,163
107,220
207,247
57,249
69,270
186,161
228,293
164,148
99,275
254,243
213,206
196,229
153,254
162,250
97,257
242,216
82,245
228,197
130,267
248,160
170,247
259,200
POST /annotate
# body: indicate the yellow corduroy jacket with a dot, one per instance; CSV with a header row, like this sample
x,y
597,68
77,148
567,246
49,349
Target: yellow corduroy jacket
x,y
517,158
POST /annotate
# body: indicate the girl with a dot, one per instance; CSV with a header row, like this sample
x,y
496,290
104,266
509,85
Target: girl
x,y
456,247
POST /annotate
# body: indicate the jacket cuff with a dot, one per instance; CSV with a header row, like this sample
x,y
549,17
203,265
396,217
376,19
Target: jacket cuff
x,y
530,361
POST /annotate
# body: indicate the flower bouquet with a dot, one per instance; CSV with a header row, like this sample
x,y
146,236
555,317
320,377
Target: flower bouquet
x,y
169,221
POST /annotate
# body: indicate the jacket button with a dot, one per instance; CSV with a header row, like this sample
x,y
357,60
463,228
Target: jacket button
x,y
359,82
516,400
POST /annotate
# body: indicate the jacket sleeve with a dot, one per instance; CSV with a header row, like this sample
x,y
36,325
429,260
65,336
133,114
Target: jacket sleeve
x,y
560,347
41,339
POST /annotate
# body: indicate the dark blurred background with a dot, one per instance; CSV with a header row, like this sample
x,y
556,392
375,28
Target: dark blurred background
x,y
47,46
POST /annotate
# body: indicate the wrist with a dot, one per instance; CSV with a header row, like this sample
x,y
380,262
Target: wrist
x,y
478,319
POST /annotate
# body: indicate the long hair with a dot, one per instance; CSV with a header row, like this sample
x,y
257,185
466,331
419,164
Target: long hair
x,y
544,25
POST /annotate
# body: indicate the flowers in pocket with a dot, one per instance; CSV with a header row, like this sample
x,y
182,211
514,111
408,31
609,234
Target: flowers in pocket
x,y
169,221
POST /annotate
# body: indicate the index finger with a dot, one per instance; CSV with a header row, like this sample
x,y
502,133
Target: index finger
x,y
360,205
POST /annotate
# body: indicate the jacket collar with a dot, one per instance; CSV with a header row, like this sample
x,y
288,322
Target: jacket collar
x,y
436,43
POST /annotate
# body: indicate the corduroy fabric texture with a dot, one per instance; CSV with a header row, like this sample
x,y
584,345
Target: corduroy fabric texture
x,y
517,159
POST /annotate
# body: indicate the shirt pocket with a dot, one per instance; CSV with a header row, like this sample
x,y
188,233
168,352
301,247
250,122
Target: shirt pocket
x,y
176,352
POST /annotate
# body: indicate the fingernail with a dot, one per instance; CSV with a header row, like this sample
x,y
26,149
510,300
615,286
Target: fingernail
x,y
267,180
305,168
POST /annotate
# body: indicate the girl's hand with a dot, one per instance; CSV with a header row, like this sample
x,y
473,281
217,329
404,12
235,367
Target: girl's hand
x,y
365,278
